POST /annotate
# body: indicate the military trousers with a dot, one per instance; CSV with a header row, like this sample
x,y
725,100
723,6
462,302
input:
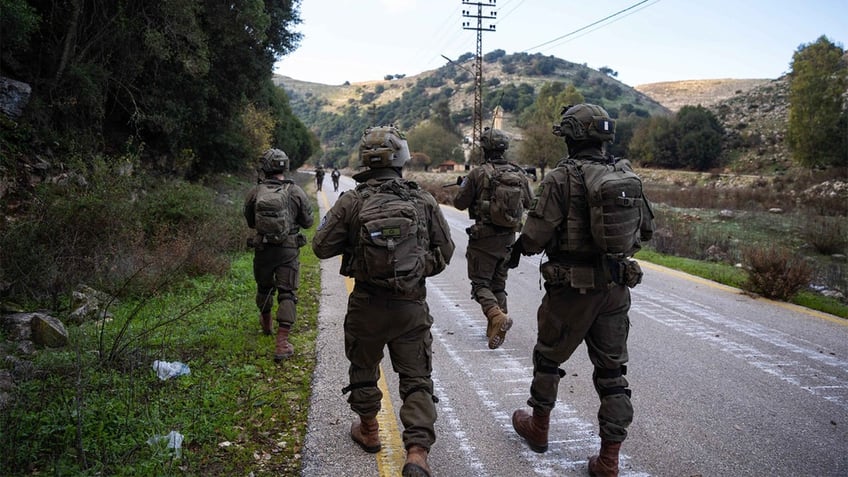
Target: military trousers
x,y
373,322
276,270
487,270
598,317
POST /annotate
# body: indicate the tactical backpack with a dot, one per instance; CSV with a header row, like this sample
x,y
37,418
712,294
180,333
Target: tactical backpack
x,y
501,202
616,204
273,218
393,238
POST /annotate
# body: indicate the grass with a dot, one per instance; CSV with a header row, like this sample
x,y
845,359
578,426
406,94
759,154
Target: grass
x,y
81,413
735,277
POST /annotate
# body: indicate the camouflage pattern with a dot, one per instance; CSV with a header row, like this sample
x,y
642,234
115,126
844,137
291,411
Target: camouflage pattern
x,y
488,245
587,298
379,317
276,267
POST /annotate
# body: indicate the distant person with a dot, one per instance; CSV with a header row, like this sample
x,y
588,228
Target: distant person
x,y
496,195
277,209
319,176
588,277
335,175
392,236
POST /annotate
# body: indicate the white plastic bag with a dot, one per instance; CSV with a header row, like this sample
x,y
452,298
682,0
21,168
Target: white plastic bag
x,y
174,439
166,370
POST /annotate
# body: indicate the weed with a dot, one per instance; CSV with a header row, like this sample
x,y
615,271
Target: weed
x,y
775,272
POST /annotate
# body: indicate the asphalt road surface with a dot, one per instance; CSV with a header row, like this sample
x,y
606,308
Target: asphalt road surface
x,y
723,384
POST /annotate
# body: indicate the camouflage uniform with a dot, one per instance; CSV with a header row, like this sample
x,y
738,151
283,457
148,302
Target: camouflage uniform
x,y
276,267
378,317
586,300
488,244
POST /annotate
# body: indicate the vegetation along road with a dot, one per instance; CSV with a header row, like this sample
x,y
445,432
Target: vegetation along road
x,y
723,384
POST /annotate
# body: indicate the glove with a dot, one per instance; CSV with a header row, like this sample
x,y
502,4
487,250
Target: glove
x,y
459,180
515,254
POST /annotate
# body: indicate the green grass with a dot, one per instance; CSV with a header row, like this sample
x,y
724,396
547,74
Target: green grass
x,y
91,408
735,277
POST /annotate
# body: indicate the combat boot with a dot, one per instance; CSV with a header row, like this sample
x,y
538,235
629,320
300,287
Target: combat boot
x,y
605,464
416,462
366,433
265,322
499,324
284,348
534,429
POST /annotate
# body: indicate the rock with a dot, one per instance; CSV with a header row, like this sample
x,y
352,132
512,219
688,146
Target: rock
x,y
775,210
17,326
48,331
727,214
14,96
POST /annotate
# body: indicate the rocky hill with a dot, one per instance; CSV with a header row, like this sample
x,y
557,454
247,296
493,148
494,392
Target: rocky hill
x,y
675,94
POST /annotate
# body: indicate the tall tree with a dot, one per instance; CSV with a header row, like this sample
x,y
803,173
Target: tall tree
x,y
817,116
540,147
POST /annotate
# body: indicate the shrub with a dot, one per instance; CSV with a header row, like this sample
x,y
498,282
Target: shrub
x,y
775,272
828,235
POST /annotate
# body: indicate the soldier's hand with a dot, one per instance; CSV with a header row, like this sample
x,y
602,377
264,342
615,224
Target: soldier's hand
x,y
459,180
515,254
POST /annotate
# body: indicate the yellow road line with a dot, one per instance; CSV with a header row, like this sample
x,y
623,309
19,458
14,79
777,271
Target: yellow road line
x,y
719,286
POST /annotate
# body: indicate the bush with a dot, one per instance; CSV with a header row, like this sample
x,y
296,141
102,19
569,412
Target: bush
x,y
828,235
100,226
775,272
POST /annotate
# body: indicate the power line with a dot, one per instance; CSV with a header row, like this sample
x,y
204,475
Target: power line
x,y
588,26
600,26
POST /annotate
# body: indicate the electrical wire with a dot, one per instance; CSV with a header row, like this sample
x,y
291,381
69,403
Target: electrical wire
x,y
587,26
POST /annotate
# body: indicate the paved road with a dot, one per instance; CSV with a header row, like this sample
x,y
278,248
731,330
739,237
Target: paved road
x,y
723,384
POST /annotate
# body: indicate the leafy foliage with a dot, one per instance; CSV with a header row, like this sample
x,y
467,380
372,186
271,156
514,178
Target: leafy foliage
x,y
818,119
691,139
174,76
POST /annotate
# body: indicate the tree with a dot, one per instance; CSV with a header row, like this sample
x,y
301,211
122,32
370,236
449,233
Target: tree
x,y
434,141
176,76
540,147
817,118
699,135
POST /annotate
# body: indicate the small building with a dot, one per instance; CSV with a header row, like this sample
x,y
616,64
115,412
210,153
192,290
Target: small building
x,y
448,166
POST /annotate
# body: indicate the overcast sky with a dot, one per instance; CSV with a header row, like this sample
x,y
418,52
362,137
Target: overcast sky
x,y
644,41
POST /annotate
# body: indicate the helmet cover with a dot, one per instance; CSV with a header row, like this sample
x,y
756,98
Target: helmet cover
x,y
383,146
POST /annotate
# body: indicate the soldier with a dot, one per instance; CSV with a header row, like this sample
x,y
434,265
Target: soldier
x,y
335,175
496,195
277,208
319,177
587,279
391,235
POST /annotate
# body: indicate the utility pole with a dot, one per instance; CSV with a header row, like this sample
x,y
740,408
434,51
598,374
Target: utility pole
x,y
478,63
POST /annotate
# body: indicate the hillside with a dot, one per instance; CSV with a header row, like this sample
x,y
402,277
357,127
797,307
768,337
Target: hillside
x,y
675,94
339,113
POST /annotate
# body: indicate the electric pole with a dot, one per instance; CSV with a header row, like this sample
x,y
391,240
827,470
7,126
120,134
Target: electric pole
x,y
478,63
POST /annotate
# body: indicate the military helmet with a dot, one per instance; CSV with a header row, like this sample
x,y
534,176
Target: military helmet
x,y
494,140
383,146
274,161
584,122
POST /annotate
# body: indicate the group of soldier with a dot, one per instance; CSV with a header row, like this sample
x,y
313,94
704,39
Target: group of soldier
x,y
390,314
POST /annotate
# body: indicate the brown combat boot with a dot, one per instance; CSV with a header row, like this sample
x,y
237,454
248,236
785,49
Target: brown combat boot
x,y
605,464
534,429
416,462
284,348
366,433
499,324
265,322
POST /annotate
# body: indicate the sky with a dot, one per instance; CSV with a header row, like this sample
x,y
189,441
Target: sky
x,y
644,41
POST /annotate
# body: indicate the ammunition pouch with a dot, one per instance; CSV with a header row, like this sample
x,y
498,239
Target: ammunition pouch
x,y
575,276
481,231
625,272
